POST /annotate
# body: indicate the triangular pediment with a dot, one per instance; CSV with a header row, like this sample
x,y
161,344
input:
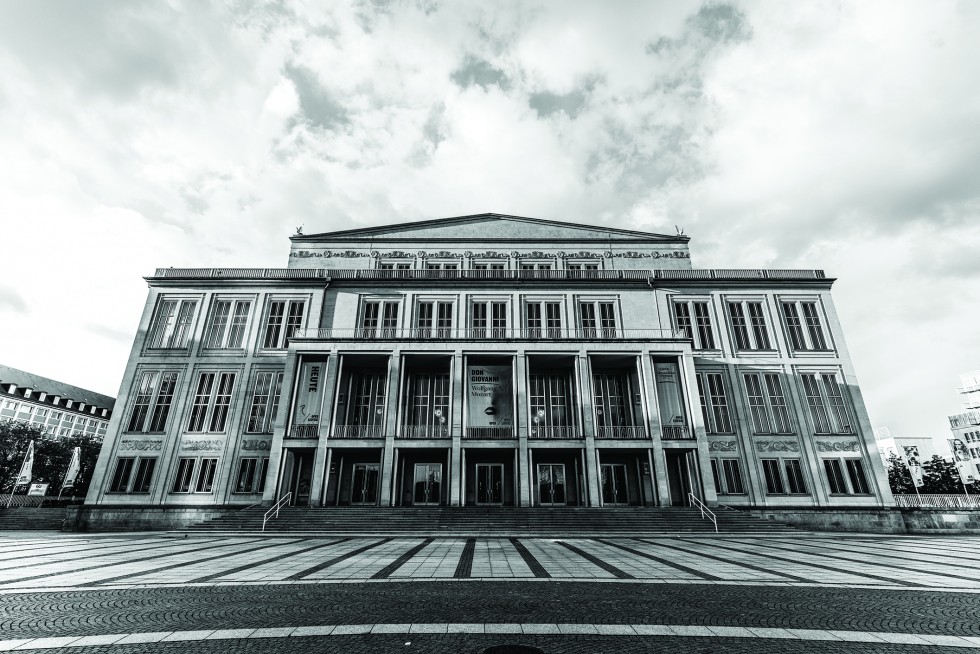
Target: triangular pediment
x,y
489,227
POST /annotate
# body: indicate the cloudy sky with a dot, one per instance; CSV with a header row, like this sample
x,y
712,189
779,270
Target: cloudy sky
x,y
834,135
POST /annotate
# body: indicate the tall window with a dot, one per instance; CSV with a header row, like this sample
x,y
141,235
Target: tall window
x,y
749,325
728,476
251,475
488,318
774,480
195,475
367,393
825,401
803,325
714,403
120,476
694,318
612,400
855,484
433,319
784,476
489,266
542,319
285,317
598,319
795,481
154,397
767,403
182,480
172,324
394,265
205,478
582,269
211,401
380,319
226,329
442,265
537,265
265,403
550,403
429,403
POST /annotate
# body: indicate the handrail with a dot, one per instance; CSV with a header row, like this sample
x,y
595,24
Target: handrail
x,y
705,511
275,508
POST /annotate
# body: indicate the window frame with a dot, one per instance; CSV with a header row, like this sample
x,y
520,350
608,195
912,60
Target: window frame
x,y
435,329
168,332
153,406
832,413
804,342
282,337
256,481
600,330
491,329
207,421
270,406
137,470
381,328
229,326
730,468
768,406
845,467
694,330
193,479
711,417
546,329
751,324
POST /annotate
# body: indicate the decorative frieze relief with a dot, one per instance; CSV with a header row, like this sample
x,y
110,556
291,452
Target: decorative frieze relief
x,y
256,445
837,446
326,254
394,254
777,446
213,445
722,446
445,254
141,446
677,254
489,254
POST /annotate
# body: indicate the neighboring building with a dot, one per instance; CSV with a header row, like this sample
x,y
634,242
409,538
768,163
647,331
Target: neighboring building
x,y
489,360
966,427
60,409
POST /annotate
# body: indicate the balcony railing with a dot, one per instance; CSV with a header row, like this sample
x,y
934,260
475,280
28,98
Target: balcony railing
x,y
938,501
494,433
304,431
358,431
620,433
546,431
675,433
484,334
424,431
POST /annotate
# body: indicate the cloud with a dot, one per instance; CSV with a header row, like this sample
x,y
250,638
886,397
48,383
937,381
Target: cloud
x,y
11,300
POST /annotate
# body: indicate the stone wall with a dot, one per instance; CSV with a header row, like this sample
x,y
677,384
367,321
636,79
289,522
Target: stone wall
x,y
879,521
139,518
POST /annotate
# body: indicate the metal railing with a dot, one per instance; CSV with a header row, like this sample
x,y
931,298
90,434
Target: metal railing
x,y
938,501
244,273
546,431
492,433
423,431
675,433
621,433
484,334
705,511
304,431
274,511
357,431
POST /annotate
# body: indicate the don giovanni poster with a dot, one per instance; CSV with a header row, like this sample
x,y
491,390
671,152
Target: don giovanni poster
x,y
490,396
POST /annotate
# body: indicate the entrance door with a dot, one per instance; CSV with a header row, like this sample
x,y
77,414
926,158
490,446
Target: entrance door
x,y
364,484
678,476
428,484
614,489
551,484
490,483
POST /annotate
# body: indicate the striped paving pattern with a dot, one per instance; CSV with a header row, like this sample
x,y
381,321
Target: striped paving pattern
x,y
80,561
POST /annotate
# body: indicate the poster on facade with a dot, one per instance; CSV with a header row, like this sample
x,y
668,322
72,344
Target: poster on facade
x,y
489,396
913,463
958,447
669,395
309,394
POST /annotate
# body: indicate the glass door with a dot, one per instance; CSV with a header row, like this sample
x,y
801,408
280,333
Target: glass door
x,y
551,484
489,483
428,484
614,489
364,484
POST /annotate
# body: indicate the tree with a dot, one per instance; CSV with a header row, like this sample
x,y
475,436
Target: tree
x,y
52,456
15,436
899,477
940,477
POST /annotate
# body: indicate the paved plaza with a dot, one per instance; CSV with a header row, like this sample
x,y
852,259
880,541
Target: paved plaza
x,y
252,593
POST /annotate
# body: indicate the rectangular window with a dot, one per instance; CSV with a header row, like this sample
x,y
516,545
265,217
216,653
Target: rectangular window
x,y
205,478
542,319
429,403
598,319
694,319
612,396
246,475
826,404
182,480
748,325
488,318
171,327
367,393
154,396
379,319
144,475
803,325
489,266
774,480
537,265
550,403
728,476
263,469
394,265
435,265
120,476
265,403
767,404
855,472
285,317
433,319
714,403
226,329
835,476
795,481
211,401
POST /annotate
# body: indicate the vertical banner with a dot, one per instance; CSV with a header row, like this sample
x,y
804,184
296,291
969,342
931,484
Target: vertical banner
x,y
26,468
73,468
961,455
669,395
914,464
309,394
489,396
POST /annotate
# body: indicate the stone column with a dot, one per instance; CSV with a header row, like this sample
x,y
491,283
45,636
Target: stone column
x,y
456,431
392,406
656,459
584,379
523,473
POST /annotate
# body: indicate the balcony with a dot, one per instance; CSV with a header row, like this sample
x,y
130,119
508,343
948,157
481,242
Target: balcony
x,y
620,433
357,431
489,433
304,431
484,334
675,433
554,432
424,431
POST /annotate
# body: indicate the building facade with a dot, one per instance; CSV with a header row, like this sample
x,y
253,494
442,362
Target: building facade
x,y
965,428
489,360
57,408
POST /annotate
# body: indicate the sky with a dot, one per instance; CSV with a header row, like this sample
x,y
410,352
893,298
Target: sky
x,y
836,135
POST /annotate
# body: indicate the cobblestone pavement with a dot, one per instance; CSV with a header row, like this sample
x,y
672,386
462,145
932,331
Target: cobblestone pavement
x,y
794,592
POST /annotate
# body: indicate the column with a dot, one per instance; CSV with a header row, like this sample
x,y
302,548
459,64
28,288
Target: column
x,y
658,467
588,426
392,405
523,473
456,432
701,451
283,416
323,432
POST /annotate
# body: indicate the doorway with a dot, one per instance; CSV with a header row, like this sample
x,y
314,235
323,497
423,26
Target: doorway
x,y
299,473
678,476
428,484
364,484
551,484
615,490
490,484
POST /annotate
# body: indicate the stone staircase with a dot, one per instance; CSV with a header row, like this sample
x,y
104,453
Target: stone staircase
x,y
29,518
489,521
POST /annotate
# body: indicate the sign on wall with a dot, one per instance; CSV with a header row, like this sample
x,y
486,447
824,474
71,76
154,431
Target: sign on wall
x,y
309,393
37,489
490,396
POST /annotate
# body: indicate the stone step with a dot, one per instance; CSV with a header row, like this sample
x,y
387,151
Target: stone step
x,y
30,518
